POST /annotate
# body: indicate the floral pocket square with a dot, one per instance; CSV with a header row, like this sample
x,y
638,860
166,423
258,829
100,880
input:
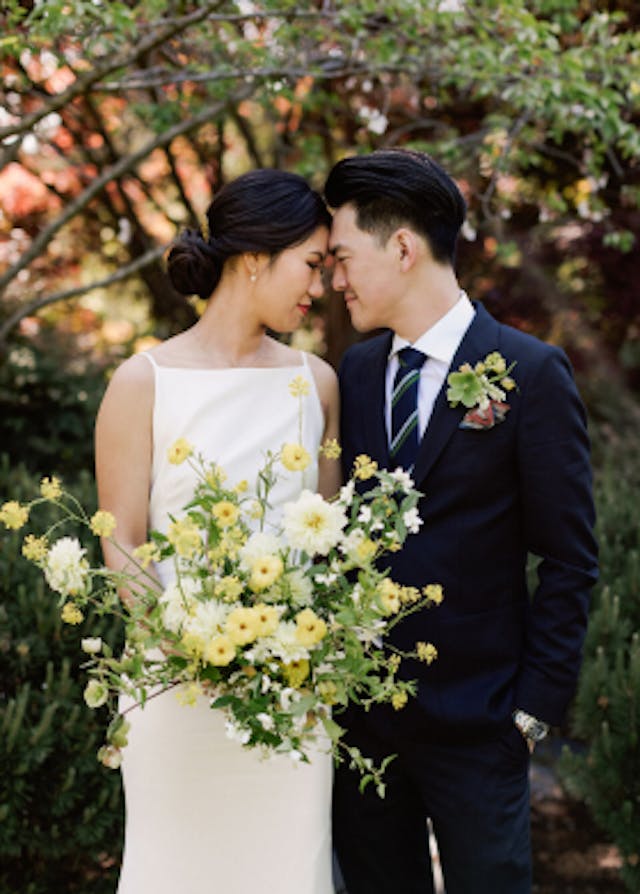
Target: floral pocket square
x,y
482,389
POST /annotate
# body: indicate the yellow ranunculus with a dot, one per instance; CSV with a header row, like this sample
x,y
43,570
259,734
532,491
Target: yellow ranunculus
x,y
310,629
220,651
34,548
265,571
296,672
179,451
266,619
50,488
192,643
366,549
13,515
242,626
71,614
389,593
295,457
226,513
103,523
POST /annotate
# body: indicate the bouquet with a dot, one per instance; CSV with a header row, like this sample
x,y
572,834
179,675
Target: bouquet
x,y
277,628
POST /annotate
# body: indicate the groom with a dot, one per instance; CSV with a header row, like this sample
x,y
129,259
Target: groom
x,y
503,478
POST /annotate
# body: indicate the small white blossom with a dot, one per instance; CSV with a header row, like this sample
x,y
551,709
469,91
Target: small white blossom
x,y
91,645
266,721
66,568
412,520
402,478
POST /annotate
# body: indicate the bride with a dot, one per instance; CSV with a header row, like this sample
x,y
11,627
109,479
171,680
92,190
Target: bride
x,y
203,814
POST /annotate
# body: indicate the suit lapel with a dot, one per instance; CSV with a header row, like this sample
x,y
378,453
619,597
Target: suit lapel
x,y
480,338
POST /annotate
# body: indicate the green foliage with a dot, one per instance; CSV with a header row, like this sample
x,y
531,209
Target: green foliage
x,y
60,810
607,707
49,396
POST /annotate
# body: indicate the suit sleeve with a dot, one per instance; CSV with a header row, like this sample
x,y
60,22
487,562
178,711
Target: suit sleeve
x,y
558,517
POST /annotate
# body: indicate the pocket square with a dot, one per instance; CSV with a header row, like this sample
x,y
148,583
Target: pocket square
x,y
491,415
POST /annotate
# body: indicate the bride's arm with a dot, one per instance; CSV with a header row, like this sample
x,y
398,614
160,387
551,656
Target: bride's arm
x,y
123,445
329,477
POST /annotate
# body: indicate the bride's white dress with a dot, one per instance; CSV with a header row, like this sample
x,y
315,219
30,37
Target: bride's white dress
x,y
203,814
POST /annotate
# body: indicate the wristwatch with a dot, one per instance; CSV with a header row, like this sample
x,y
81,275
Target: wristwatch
x,y
532,729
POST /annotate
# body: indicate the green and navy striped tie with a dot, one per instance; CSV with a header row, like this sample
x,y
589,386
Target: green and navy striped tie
x,y
404,408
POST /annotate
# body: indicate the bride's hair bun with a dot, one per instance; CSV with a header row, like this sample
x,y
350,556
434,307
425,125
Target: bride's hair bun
x,y
262,211
194,265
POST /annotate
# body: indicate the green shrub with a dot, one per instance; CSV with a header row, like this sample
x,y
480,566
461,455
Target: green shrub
x,y
606,714
60,810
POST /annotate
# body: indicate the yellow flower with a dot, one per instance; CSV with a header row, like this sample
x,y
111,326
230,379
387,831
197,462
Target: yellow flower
x,y
185,537
331,449
299,386
188,693
328,692
366,549
434,593
364,467
294,457
225,513
242,486
215,476
480,368
50,488
310,628
242,626
13,515
146,553
266,618
265,571
507,383
34,548
394,663
228,588
409,594
193,643
103,523
399,700
389,593
427,652
71,614
296,672
220,651
256,510
495,362
179,451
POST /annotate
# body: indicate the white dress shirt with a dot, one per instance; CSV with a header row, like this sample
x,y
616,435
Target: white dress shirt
x,y
440,344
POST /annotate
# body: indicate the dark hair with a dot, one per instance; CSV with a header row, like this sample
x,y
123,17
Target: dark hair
x,y
262,211
391,188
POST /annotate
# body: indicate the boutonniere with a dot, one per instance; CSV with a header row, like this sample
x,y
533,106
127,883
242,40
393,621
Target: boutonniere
x,y
483,390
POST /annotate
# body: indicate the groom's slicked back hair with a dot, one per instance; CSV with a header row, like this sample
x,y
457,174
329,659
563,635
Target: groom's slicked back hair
x,y
392,188
262,211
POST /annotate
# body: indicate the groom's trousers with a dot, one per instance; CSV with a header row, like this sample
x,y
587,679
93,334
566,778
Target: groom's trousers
x,y
477,798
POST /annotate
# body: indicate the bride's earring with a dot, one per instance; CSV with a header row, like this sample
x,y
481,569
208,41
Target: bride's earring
x,y
253,277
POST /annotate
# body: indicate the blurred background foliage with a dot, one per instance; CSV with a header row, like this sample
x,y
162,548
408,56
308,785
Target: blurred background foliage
x,y
120,120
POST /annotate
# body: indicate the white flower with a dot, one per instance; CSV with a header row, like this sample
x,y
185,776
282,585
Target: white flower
x,y
346,493
412,520
326,579
402,478
258,545
313,525
208,619
91,645
351,541
179,602
236,733
266,721
364,515
66,568
284,644
300,586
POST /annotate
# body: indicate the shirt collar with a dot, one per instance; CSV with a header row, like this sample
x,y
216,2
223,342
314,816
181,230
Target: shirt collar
x,y
441,341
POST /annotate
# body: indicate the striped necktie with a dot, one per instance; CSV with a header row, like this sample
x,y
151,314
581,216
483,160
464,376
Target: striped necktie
x,y
404,408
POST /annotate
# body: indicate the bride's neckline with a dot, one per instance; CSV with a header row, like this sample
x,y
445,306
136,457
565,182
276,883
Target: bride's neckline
x,y
228,368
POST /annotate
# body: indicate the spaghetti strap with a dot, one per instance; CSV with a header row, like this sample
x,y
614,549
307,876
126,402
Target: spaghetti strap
x,y
150,359
305,362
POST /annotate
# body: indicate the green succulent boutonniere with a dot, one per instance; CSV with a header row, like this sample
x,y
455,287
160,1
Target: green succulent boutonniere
x,y
483,390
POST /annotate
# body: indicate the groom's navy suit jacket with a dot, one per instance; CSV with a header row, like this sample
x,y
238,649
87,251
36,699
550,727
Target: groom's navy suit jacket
x,y
491,497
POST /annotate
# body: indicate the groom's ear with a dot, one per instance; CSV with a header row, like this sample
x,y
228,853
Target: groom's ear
x,y
406,248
